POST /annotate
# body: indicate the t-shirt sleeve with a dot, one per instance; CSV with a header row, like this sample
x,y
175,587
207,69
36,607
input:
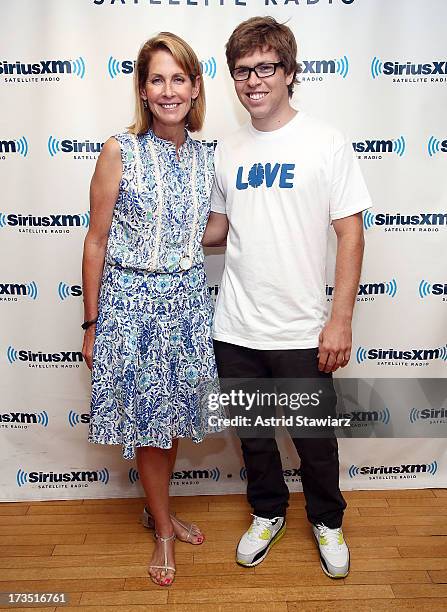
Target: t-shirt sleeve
x,y
348,193
218,195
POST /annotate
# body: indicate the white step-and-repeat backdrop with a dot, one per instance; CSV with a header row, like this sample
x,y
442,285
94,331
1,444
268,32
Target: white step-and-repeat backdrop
x,y
376,69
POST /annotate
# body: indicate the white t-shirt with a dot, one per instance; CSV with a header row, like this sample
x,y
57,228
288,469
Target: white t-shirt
x,y
280,191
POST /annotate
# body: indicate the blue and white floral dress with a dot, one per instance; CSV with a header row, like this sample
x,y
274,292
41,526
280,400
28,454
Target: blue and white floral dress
x,y
153,359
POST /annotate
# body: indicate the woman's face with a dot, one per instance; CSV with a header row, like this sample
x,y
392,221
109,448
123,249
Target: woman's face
x,y
168,90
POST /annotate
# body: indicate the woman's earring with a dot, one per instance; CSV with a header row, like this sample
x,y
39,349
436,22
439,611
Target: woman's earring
x,y
193,102
145,104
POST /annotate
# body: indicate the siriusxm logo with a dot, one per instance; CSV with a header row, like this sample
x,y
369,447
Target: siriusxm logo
x,y
209,67
408,69
54,224
17,146
10,291
187,475
412,356
436,146
431,415
359,418
55,146
88,476
408,468
23,419
66,359
117,67
281,174
64,291
291,474
373,149
74,418
11,71
338,67
366,290
423,221
426,288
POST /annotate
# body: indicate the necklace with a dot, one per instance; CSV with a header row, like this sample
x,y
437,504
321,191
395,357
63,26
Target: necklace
x,y
185,262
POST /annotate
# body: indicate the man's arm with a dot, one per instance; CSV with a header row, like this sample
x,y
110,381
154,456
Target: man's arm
x,y
216,230
336,337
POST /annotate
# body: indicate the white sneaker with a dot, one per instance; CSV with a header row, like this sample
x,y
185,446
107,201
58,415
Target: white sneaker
x,y
258,539
334,553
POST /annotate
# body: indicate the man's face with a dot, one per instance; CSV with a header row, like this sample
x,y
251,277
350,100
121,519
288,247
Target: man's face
x,y
263,97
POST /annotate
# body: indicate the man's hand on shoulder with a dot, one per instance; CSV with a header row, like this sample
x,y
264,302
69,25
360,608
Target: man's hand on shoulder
x,y
335,342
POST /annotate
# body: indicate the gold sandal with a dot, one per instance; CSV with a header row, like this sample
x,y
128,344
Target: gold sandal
x,y
164,567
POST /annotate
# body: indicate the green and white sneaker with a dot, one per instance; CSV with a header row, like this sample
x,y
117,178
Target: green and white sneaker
x,y
258,539
334,553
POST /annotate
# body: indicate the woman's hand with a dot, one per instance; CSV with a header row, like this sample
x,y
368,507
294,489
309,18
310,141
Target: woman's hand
x,y
87,347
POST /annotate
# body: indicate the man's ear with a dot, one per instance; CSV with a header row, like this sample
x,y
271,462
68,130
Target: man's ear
x,y
289,79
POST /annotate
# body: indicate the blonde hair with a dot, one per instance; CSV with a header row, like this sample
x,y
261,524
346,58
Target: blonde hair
x,y
187,59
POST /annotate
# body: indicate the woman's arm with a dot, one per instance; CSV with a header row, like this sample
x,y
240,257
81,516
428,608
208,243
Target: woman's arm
x,y
104,190
216,230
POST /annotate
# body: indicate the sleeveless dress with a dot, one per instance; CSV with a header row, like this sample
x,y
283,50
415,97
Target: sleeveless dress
x,y
153,358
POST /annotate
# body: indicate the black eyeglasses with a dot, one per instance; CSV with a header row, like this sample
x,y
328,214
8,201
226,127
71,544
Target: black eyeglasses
x,y
243,73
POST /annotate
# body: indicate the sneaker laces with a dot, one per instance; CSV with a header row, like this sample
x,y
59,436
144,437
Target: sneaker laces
x,y
258,526
331,536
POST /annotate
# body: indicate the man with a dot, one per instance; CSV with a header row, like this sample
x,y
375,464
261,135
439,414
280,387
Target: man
x,y
280,181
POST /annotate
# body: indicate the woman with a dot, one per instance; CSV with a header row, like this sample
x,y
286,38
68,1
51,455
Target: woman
x,y
149,318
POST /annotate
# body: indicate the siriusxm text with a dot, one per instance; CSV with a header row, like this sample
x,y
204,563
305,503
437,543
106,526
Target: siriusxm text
x,y
190,474
13,289
373,146
433,413
19,417
364,289
41,67
61,357
439,289
409,355
85,146
46,221
87,476
395,469
419,219
361,417
408,68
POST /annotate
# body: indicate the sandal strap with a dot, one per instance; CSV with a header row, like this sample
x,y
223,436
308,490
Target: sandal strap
x,y
168,539
184,525
165,552
189,528
163,567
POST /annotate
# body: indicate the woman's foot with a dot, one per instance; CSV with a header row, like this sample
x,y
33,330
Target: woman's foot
x,y
186,532
162,565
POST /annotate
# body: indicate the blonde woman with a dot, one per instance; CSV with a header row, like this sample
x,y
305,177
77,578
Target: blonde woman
x,y
147,307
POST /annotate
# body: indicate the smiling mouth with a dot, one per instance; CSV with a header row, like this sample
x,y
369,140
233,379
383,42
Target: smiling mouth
x,y
257,95
170,106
